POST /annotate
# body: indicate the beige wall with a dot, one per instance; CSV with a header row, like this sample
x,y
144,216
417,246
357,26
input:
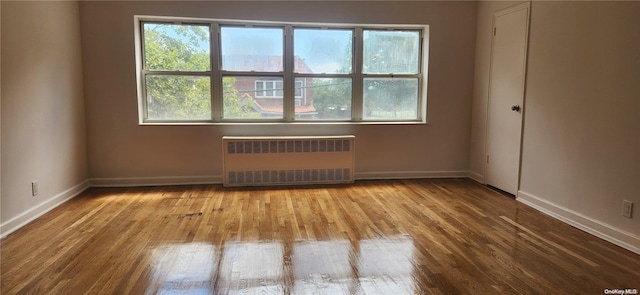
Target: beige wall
x,y
0,115
119,148
582,119
43,119
581,139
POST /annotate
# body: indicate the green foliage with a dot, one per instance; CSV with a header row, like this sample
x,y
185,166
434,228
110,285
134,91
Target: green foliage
x,y
332,98
176,47
234,104
178,97
388,98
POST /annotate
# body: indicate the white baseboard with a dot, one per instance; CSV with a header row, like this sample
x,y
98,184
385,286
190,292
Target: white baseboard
x,y
191,180
476,176
21,220
154,181
410,175
606,232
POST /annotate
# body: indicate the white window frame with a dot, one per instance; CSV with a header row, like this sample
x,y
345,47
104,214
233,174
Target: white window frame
x,y
289,100
265,90
299,85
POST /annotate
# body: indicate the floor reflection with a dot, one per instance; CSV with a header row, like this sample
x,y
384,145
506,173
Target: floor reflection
x,y
322,267
386,266
376,266
251,268
184,268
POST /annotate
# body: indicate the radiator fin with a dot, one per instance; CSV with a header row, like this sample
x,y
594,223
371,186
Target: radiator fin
x,y
288,146
306,176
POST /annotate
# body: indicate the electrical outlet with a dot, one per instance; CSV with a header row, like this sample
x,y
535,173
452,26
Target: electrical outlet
x,y
34,188
627,208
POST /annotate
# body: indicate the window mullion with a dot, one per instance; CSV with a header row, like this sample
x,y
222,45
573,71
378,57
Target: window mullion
x,y
424,45
216,76
288,99
357,100
145,112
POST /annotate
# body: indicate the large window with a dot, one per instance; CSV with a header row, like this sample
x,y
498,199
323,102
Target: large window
x,y
209,71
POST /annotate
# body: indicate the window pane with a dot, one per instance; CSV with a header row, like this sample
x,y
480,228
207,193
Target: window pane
x,y
259,88
322,51
178,97
269,92
300,87
176,47
390,98
252,97
323,98
252,49
391,52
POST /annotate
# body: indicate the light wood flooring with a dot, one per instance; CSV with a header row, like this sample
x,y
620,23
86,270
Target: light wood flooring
x,y
444,236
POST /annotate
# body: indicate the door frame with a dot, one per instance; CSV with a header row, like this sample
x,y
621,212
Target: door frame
x,y
498,13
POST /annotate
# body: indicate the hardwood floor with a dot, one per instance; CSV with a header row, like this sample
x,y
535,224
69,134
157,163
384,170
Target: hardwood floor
x,y
450,236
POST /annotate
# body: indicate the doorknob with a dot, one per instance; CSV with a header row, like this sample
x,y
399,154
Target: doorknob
x,y
515,108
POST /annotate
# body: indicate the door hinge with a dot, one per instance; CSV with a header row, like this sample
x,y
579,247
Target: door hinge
x,y
494,31
487,159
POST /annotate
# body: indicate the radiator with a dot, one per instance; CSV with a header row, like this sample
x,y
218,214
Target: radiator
x,y
264,161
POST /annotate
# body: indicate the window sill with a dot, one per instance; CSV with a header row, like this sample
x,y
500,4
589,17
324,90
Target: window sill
x,y
278,123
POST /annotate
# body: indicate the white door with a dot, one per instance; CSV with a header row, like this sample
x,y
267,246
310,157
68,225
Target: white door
x,y
506,92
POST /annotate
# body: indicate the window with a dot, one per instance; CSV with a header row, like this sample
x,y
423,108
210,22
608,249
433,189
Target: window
x,y
176,72
269,89
299,84
391,64
323,59
209,71
275,89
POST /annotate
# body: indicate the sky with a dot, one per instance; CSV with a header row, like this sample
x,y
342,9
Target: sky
x,y
322,50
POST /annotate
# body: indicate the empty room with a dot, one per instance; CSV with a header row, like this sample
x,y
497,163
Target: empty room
x,y
320,147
